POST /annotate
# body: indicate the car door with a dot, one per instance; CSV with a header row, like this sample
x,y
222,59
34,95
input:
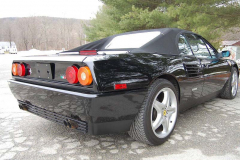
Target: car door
x,y
215,70
192,85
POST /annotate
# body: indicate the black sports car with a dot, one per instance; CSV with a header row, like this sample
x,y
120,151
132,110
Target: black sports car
x,y
135,82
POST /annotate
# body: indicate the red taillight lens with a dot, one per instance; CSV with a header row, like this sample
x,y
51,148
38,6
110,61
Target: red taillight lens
x,y
71,74
88,52
120,86
21,69
14,69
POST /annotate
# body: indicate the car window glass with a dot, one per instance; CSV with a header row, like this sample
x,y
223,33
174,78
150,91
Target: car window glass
x,y
135,40
198,46
183,46
212,51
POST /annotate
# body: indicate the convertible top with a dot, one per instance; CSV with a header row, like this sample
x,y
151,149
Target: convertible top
x,y
164,43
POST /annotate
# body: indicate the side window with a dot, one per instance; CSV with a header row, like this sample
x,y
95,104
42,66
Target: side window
x,y
183,46
213,51
198,46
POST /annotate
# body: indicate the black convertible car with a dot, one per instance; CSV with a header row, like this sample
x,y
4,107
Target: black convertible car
x,y
135,82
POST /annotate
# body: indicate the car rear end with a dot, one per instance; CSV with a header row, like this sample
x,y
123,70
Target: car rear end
x,y
51,89
64,89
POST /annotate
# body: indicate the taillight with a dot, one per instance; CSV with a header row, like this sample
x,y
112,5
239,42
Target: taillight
x,y
21,69
85,76
88,52
72,74
14,69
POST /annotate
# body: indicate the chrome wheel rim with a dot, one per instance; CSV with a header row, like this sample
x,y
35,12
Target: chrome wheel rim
x,y
234,83
164,113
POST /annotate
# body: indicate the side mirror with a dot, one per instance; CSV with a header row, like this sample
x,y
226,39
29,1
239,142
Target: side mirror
x,y
225,53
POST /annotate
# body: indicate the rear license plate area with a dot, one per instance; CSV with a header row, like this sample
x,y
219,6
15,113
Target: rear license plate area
x,y
44,70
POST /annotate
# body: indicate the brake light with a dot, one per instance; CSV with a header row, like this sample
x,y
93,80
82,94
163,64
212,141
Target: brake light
x,y
120,86
71,74
88,52
14,69
21,69
85,76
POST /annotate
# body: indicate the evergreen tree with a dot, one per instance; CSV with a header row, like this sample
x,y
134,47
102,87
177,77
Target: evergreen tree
x,y
209,18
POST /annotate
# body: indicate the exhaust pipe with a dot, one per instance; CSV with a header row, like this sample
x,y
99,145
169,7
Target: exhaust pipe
x,y
65,123
23,107
70,124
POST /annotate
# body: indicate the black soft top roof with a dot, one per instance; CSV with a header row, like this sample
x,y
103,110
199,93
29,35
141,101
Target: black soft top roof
x,y
165,43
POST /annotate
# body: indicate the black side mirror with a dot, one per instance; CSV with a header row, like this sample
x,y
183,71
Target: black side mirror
x,y
225,53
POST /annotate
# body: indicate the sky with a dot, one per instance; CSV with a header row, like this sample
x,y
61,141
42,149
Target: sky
x,y
79,9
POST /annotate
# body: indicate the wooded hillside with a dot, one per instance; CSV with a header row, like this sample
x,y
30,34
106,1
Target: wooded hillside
x,y
43,33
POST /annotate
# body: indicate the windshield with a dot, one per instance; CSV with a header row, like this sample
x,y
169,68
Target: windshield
x,y
135,40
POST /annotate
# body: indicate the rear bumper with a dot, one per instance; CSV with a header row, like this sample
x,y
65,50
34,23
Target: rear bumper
x,y
55,117
98,113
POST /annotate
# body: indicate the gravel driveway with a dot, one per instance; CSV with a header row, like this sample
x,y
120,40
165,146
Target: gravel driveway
x,y
208,131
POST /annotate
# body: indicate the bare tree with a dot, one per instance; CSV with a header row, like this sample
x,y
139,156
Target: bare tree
x,y
1,33
42,33
9,34
80,34
33,28
63,32
24,34
45,32
69,28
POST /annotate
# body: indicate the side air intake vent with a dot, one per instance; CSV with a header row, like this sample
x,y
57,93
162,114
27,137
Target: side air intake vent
x,y
193,70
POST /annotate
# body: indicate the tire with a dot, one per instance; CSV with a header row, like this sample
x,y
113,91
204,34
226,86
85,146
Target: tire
x,y
144,127
227,92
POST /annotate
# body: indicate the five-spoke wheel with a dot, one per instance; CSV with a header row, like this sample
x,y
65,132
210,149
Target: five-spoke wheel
x,y
158,115
164,112
234,83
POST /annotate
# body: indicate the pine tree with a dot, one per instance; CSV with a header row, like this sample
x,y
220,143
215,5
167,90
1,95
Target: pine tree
x,y
207,18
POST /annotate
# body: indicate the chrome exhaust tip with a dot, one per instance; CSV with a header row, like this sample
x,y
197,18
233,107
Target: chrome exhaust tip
x,y
70,124
23,107
65,123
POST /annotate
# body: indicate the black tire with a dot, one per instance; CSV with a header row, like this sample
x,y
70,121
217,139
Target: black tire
x,y
227,89
141,129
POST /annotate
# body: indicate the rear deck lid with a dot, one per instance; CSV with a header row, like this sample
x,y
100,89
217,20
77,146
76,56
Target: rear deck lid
x,y
69,57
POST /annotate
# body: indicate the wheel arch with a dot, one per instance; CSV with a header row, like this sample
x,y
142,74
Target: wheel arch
x,y
172,79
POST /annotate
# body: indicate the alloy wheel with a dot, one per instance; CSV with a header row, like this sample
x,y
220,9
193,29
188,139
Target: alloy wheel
x,y
164,112
234,83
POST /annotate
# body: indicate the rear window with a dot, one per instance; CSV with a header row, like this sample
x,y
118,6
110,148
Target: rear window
x,y
135,40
